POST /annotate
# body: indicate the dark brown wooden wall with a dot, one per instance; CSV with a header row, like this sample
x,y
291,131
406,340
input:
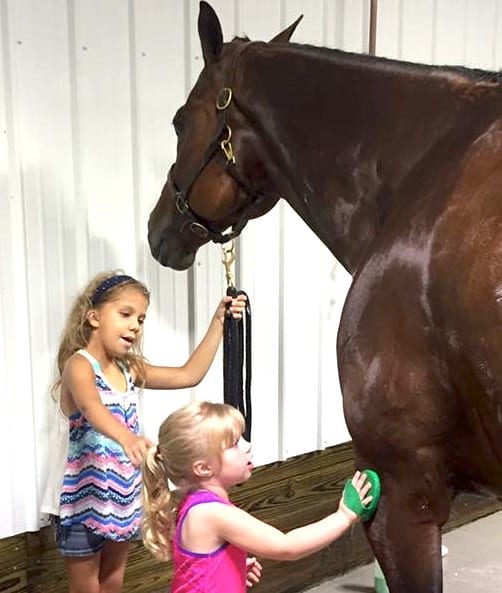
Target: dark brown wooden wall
x,y
286,494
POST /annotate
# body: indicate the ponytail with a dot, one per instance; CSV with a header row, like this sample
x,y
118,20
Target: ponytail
x,y
159,507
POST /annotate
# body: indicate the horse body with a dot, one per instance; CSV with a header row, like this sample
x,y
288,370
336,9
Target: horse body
x,y
418,355
413,373
397,169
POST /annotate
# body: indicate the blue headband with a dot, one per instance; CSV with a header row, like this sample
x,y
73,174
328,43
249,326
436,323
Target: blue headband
x,y
104,286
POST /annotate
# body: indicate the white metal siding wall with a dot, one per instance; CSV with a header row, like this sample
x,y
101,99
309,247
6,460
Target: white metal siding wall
x,y
87,92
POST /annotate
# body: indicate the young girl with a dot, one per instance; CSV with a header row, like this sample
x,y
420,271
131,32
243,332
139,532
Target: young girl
x,y
95,484
201,451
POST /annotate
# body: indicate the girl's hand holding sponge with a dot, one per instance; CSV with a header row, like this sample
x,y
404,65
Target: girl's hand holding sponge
x,y
362,493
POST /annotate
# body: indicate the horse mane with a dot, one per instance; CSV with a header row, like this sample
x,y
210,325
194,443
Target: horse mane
x,y
238,39
475,75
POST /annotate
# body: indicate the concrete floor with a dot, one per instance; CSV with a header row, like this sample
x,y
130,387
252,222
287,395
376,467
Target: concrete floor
x,y
473,563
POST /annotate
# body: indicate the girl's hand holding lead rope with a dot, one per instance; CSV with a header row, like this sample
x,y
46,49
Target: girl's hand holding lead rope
x,y
235,307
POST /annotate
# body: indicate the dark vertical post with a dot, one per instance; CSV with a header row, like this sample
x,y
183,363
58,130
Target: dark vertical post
x,y
373,24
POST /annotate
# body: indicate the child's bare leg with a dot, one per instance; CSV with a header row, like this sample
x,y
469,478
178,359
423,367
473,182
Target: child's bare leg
x,y
112,567
102,572
83,573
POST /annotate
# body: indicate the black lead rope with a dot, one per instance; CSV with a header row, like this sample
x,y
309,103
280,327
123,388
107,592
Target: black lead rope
x,y
237,361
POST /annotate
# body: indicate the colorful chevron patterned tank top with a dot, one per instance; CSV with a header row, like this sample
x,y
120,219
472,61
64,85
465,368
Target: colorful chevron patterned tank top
x,y
101,487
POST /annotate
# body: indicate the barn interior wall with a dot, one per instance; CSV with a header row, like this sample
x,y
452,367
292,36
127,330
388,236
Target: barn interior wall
x,y
87,93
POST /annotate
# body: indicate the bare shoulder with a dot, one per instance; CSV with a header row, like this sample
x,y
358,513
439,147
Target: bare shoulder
x,y
217,513
77,366
215,516
77,380
228,523
78,376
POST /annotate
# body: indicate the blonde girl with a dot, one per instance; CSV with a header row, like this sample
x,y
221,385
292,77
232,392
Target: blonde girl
x,y
202,452
94,486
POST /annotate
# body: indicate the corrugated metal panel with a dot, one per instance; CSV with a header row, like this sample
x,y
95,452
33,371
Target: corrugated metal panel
x,y
87,92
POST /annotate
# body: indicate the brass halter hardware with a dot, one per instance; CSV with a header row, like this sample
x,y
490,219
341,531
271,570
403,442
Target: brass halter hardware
x,y
228,259
226,146
224,98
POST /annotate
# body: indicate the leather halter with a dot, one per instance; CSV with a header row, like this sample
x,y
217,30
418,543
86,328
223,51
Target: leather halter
x,y
199,226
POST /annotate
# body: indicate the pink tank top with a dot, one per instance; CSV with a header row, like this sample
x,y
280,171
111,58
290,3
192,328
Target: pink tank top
x,y
221,571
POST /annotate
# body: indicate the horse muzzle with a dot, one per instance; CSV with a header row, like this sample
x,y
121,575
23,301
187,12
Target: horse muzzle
x,y
167,248
168,255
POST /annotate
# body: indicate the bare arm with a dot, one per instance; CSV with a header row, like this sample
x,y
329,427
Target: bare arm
x,y
196,367
79,390
231,524
260,539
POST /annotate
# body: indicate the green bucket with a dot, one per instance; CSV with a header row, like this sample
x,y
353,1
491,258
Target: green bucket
x,y
380,583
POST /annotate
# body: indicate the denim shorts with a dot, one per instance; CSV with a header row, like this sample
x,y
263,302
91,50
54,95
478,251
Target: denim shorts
x,y
76,539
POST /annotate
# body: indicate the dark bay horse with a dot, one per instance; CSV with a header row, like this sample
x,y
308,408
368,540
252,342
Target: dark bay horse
x,y
397,168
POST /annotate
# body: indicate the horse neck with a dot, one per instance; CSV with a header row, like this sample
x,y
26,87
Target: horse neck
x,y
348,131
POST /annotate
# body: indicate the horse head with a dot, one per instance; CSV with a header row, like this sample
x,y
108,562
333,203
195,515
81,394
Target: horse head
x,y
222,177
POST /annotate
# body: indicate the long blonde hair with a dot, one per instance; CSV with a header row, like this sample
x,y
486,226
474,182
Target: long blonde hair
x,y
197,431
77,331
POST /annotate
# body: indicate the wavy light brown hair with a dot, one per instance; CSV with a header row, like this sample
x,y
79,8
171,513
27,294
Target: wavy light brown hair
x,y
77,331
195,432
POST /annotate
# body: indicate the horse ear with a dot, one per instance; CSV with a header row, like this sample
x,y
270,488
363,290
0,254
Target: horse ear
x,y
285,36
211,37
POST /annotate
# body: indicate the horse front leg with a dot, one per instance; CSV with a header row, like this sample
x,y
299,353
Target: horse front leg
x,y
405,535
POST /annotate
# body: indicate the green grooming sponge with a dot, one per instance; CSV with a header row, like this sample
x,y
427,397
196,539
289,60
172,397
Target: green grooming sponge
x,y
352,500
